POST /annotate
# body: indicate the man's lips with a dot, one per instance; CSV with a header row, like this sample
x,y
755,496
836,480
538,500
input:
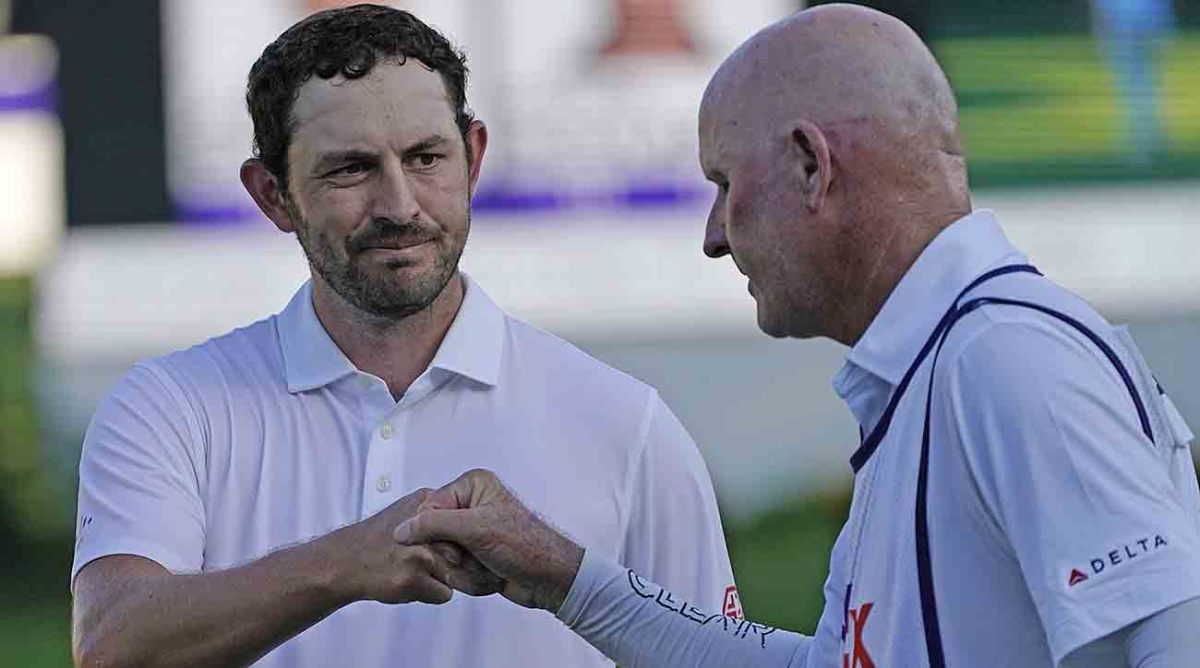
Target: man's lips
x,y
406,254
395,247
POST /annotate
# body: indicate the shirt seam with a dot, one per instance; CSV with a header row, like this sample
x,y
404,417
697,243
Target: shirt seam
x,y
637,461
174,393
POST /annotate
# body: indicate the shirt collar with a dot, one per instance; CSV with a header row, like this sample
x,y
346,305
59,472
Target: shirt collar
x,y
474,343
956,256
472,346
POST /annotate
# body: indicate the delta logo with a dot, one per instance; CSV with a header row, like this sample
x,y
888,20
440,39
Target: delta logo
x,y
1115,558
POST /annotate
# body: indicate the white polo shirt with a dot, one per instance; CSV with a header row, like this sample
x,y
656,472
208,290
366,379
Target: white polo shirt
x,y
214,456
1051,519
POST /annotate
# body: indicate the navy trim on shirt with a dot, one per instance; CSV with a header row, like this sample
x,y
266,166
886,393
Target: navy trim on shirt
x,y
872,441
929,614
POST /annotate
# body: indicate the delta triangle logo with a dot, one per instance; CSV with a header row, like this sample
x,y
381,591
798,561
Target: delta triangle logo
x,y
1077,576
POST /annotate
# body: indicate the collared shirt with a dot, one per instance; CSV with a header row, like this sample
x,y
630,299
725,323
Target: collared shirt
x,y
268,436
1053,521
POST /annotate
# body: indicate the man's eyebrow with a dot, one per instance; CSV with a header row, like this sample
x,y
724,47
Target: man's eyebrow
x,y
337,158
428,143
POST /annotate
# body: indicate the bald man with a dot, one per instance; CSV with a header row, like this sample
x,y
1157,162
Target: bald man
x,y
1024,494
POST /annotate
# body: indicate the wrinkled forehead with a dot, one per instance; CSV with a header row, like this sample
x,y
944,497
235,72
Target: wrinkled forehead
x,y
393,97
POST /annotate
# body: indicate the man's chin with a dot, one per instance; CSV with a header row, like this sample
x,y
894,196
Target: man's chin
x,y
402,291
770,326
395,269
783,325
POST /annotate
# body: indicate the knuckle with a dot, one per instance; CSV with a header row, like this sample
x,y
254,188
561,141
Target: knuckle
x,y
416,524
418,557
418,497
404,555
480,474
439,499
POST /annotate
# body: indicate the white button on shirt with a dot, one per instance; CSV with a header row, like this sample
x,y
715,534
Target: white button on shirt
x,y
1052,520
212,457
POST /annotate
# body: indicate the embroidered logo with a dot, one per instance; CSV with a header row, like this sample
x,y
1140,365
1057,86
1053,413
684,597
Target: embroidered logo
x,y
733,604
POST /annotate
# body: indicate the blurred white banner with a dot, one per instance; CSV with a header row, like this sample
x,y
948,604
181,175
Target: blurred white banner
x,y
591,103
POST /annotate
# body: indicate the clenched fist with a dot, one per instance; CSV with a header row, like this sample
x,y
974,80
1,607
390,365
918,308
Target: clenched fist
x,y
535,565
375,567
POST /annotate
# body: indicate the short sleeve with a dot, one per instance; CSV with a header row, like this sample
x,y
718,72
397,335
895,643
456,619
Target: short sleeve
x,y
139,478
673,531
1054,444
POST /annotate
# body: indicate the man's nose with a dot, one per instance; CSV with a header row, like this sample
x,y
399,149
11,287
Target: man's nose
x,y
715,243
395,198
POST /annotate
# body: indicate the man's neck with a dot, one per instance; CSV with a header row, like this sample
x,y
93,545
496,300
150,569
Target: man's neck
x,y
879,275
397,351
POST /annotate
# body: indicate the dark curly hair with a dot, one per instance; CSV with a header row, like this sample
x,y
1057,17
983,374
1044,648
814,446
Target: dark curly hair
x,y
342,42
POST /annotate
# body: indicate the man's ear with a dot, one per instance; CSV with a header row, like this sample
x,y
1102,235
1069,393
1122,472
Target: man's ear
x,y
477,140
263,186
815,164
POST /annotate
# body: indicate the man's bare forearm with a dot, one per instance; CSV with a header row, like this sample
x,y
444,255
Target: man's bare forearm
x,y
227,618
130,611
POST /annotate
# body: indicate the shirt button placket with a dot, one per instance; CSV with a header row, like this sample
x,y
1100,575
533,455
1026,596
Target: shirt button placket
x,y
382,460
387,457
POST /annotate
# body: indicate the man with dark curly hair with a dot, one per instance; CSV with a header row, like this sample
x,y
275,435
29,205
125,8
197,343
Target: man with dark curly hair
x,y
238,499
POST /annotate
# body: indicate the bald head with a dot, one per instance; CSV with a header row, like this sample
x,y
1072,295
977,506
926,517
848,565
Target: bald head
x,y
862,76
833,138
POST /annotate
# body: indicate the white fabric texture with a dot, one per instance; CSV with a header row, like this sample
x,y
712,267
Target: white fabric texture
x,y
266,437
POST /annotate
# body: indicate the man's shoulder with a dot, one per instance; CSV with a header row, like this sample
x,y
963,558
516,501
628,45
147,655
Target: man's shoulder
x,y
1029,322
248,355
1045,362
189,390
564,365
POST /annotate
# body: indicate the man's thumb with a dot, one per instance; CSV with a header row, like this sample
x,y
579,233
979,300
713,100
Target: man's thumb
x,y
429,526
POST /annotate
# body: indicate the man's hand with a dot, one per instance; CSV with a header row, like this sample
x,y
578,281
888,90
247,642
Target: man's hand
x,y
130,611
535,563
375,567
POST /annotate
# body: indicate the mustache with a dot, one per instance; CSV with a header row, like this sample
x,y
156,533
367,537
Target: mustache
x,y
390,234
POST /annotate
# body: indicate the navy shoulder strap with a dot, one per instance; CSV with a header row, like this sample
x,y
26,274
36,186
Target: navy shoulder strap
x,y
872,441
929,614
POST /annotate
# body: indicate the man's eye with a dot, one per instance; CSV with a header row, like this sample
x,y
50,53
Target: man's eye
x,y
426,160
352,169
